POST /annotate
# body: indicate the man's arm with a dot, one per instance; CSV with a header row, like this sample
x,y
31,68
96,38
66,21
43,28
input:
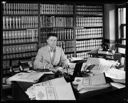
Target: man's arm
x,y
64,59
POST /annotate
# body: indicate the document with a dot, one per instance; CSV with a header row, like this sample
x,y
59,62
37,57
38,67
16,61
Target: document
x,y
115,73
28,77
101,65
55,89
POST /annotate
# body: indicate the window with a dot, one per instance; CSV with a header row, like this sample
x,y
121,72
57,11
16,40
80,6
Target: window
x,y
121,20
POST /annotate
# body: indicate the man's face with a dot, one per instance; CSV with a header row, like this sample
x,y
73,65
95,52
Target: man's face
x,y
52,41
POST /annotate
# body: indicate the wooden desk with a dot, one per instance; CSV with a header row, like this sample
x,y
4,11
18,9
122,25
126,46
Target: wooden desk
x,y
19,89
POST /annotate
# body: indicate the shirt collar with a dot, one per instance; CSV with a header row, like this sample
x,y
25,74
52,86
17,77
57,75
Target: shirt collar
x,y
51,50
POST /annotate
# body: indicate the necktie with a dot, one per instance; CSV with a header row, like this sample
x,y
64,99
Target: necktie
x,y
53,55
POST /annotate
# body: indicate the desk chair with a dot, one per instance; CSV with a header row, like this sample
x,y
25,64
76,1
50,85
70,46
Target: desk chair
x,y
117,57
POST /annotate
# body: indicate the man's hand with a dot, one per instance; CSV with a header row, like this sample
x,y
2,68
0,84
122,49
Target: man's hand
x,y
49,66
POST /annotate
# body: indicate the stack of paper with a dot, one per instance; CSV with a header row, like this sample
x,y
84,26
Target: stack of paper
x,y
28,77
55,89
101,65
91,83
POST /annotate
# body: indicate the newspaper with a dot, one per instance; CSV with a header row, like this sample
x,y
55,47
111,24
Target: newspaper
x,y
55,89
90,83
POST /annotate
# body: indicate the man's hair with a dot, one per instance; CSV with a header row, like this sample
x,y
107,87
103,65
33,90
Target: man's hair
x,y
51,34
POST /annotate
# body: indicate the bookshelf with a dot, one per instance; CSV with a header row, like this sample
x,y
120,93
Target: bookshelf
x,y
88,28
20,33
79,28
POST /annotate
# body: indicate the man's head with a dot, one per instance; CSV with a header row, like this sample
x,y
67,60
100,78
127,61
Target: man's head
x,y
52,40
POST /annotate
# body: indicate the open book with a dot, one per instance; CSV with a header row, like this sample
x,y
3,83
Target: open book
x,y
55,89
91,83
28,77
116,75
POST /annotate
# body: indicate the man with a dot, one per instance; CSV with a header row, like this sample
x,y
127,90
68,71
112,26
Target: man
x,y
50,56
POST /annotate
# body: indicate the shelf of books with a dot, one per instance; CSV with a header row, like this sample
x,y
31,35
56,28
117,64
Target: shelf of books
x,y
20,33
88,28
58,18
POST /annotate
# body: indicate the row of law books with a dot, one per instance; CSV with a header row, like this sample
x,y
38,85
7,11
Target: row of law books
x,y
90,13
89,21
19,8
83,54
62,34
19,41
56,9
89,10
89,24
86,36
90,6
83,48
88,42
20,22
10,37
52,21
19,48
19,55
89,31
28,33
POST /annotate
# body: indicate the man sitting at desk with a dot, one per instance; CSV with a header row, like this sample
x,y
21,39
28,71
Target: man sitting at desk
x,y
50,56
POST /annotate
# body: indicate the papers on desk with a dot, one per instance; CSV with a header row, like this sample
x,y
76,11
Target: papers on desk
x,y
90,83
101,61
32,76
55,89
116,75
101,65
